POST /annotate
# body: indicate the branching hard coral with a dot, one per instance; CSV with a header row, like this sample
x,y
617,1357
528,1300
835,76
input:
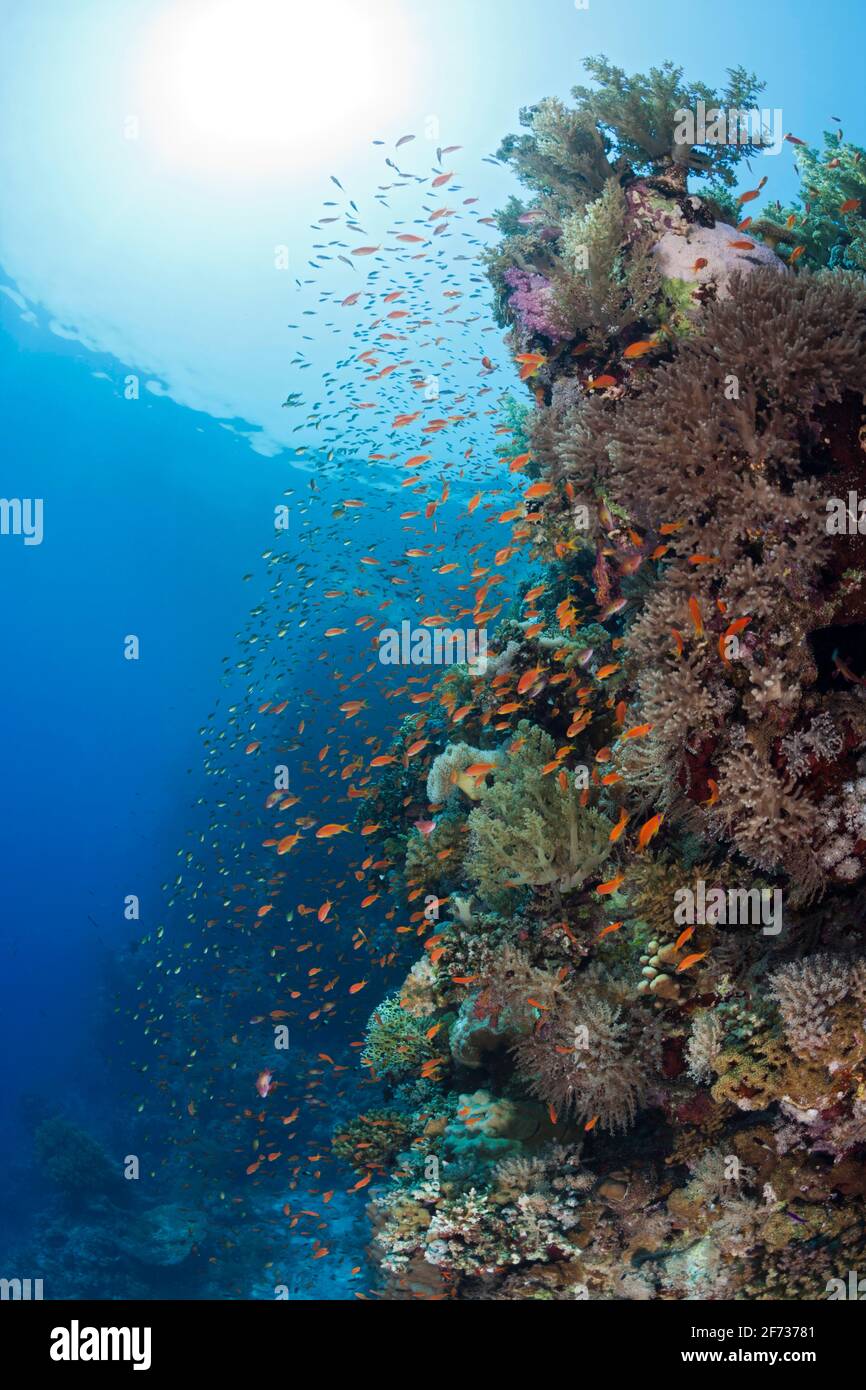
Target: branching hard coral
x,y
564,158
466,1234
704,1045
821,741
652,887
528,831
639,115
631,120
809,992
421,994
770,824
516,1175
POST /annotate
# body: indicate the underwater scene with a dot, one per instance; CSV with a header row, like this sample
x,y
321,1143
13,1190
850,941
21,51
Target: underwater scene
x,y
433,557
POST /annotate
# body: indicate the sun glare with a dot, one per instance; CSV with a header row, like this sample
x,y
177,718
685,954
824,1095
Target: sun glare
x,y
258,84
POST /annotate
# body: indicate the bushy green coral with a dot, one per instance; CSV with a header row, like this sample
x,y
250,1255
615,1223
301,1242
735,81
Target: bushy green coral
x,y
372,1140
591,240
625,124
602,289
654,882
831,179
679,305
527,831
517,416
395,1041
564,157
637,116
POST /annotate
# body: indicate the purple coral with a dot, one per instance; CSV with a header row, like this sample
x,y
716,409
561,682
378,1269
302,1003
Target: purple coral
x,y
533,302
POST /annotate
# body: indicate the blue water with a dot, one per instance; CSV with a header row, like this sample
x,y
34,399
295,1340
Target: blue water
x,y
155,523
158,523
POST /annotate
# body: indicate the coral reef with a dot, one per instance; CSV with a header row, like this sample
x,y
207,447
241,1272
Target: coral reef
x,y
528,831
395,1042
640,1034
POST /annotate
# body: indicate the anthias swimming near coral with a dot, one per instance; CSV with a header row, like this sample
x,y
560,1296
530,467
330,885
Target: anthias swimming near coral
x,y
587,1094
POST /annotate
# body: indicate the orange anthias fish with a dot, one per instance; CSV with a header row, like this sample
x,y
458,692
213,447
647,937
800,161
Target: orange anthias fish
x,y
620,826
529,363
714,792
527,681
690,961
640,731
479,769
649,831
733,630
538,490
614,926
604,890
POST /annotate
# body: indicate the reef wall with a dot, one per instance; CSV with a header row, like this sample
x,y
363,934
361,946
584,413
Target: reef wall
x,y
629,1063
